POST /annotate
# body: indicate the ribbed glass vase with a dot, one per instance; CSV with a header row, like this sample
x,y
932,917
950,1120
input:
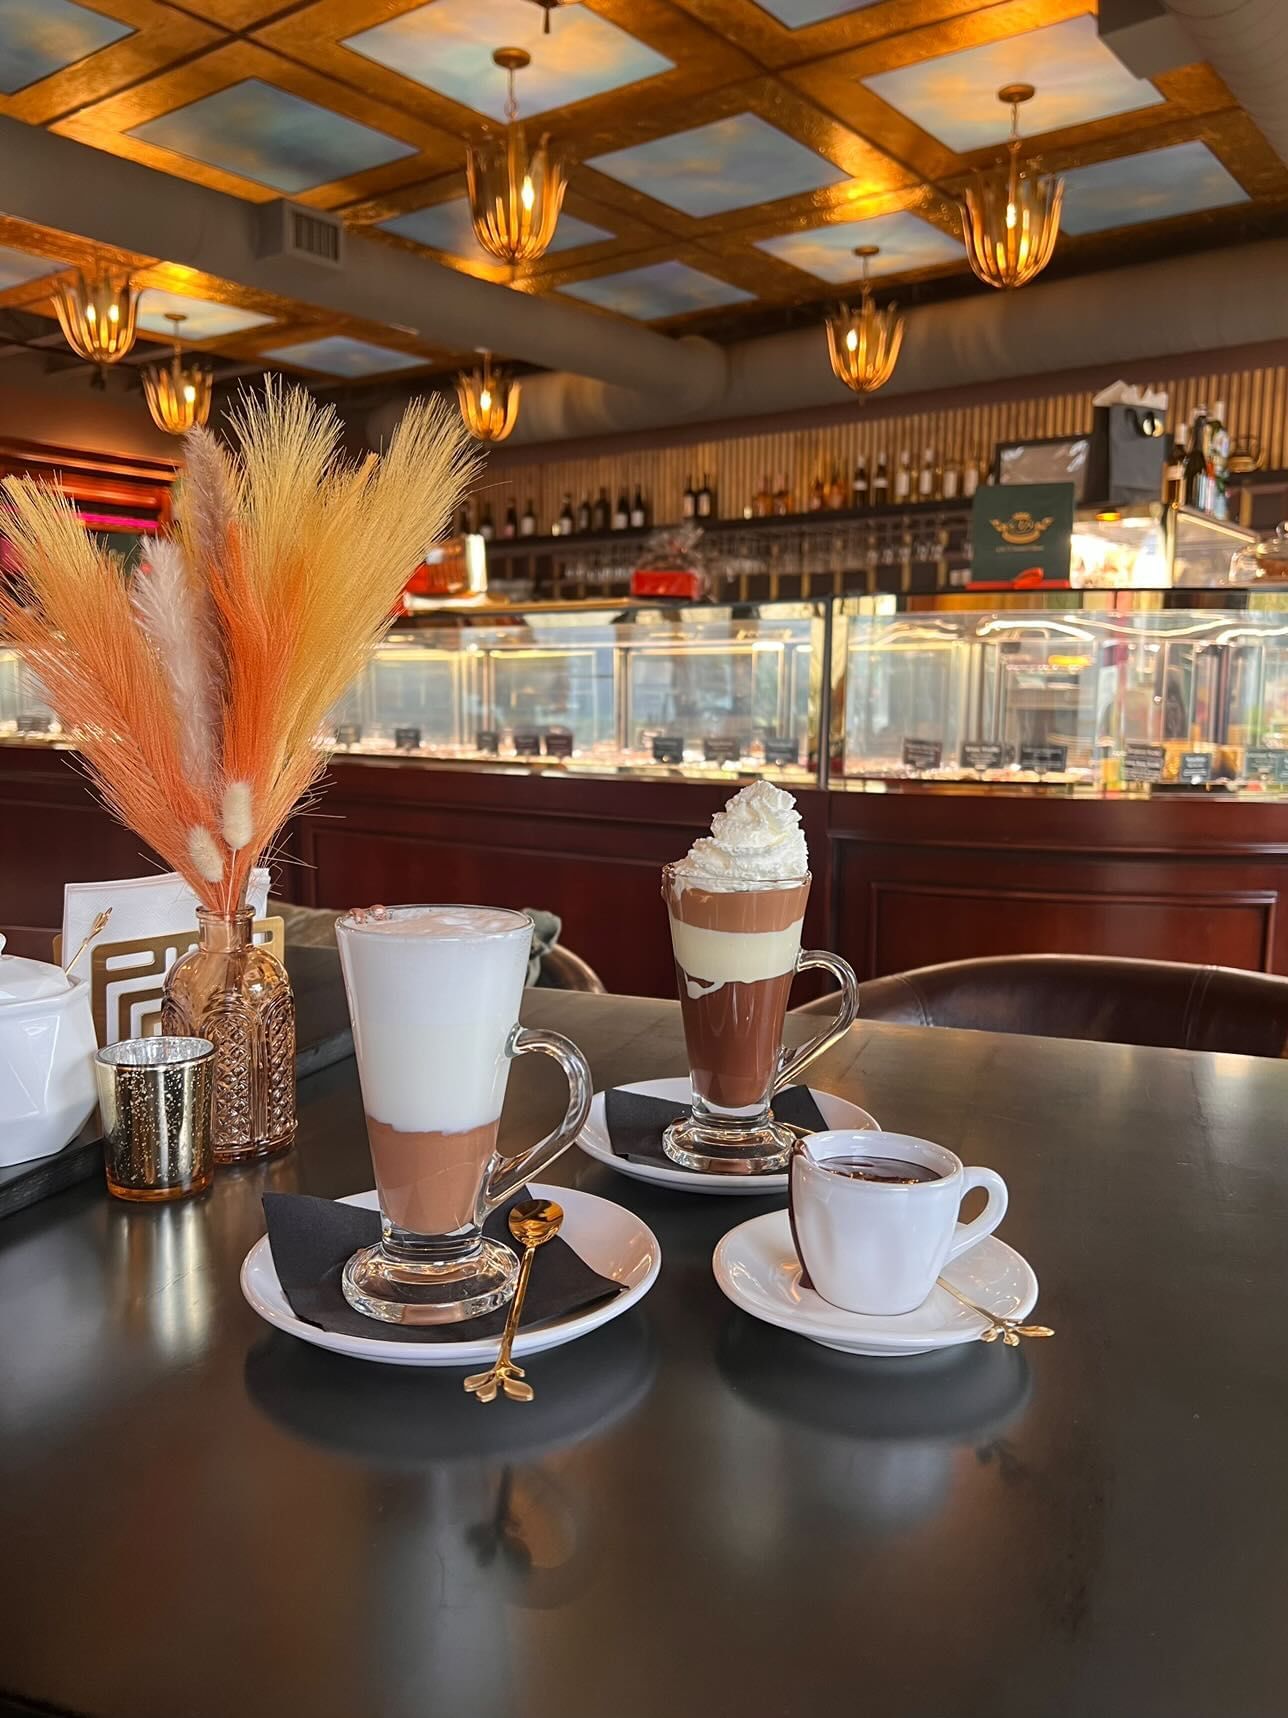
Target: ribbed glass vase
x,y
236,994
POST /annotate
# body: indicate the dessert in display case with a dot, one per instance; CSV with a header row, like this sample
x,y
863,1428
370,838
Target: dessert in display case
x,y
1153,547
716,689
1101,700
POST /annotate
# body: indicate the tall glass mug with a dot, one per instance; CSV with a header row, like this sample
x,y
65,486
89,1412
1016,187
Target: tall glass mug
x,y
434,995
737,949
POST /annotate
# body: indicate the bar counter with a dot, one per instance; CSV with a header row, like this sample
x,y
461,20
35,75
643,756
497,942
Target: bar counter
x,y
903,877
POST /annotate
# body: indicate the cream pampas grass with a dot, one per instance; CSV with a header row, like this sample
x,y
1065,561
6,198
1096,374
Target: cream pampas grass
x,y
197,693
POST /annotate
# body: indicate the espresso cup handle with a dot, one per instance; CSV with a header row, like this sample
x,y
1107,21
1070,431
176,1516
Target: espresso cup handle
x,y
795,1064
970,1234
512,1172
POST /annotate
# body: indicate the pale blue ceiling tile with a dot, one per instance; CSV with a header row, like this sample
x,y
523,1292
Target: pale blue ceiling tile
x,y
338,355
729,164
1148,187
662,289
41,37
907,243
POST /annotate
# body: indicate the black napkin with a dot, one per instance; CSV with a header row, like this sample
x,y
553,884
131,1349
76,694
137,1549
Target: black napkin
x,y
636,1122
312,1239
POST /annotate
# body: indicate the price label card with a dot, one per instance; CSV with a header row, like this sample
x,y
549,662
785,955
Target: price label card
x,y
668,749
487,740
348,733
407,739
35,724
1195,766
722,749
782,751
1143,763
527,742
1266,763
558,742
983,755
922,754
1045,760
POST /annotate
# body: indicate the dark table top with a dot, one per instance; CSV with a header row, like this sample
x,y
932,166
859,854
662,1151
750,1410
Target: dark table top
x,y
201,1517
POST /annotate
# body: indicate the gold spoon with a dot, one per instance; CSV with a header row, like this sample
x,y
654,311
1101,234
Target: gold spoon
x,y
96,929
1009,1329
532,1223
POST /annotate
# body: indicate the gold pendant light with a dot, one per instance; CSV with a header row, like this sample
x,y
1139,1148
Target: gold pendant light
x,y
97,317
1010,218
489,400
178,394
864,344
515,196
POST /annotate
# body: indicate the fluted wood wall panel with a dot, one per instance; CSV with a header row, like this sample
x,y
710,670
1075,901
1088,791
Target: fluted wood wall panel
x,y
1256,403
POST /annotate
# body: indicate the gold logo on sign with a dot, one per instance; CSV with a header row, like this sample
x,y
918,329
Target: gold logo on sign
x,y
1022,528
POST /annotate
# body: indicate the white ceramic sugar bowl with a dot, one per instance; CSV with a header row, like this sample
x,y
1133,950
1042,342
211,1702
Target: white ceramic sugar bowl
x,y
47,1050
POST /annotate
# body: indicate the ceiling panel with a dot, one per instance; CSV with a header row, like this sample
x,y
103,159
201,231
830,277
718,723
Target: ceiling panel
x,y
663,290
907,243
339,355
41,37
1154,186
734,163
17,268
204,318
796,14
446,227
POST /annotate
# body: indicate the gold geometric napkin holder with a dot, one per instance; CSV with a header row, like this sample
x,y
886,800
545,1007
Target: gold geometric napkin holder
x,y
127,979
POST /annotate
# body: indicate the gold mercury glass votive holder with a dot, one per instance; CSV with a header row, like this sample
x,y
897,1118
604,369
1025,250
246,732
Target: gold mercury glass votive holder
x,y
154,1099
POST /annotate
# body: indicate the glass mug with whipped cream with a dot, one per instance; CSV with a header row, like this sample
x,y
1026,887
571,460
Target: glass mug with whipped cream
x,y
737,904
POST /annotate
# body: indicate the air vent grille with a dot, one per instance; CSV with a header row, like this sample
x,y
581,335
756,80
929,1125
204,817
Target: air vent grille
x,y
303,235
315,237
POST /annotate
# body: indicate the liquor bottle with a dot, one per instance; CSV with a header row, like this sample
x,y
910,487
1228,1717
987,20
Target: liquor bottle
x,y
639,513
689,500
880,483
782,497
621,513
1194,474
1174,470
903,479
951,481
859,488
566,521
970,479
706,499
926,476
836,491
583,514
763,503
511,526
817,496
599,513
1219,459
487,530
528,523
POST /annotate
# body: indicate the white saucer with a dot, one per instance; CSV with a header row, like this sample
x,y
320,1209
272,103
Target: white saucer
x,y
611,1239
594,1141
757,1267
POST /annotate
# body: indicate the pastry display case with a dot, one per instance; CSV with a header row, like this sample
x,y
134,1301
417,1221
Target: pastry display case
x,y
1108,701
1153,547
25,717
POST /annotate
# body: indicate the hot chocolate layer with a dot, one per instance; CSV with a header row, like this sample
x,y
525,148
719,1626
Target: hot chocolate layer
x,y
429,1182
733,1035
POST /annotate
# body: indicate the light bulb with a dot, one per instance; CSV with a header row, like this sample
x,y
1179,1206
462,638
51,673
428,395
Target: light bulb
x,y
485,400
527,196
189,392
852,341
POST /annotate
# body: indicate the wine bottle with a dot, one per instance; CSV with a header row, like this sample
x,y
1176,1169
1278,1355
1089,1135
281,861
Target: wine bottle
x,y
782,497
903,478
926,476
859,488
1174,470
950,483
511,526
1219,459
689,500
881,483
599,515
583,514
639,513
706,499
566,522
487,530
528,523
970,478
1195,471
836,490
763,504
817,496
621,513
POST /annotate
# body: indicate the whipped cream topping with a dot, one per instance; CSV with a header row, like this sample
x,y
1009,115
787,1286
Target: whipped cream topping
x,y
757,838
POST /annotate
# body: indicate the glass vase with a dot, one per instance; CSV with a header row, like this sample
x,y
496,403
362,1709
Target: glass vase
x,y
236,994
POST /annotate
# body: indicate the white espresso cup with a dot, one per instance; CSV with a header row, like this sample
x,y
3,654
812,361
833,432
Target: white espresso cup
x,y
877,1245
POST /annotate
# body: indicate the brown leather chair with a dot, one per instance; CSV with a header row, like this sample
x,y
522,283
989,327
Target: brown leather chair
x,y
561,969
1088,996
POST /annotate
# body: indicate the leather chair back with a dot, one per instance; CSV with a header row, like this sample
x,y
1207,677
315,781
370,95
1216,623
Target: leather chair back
x,y
1088,996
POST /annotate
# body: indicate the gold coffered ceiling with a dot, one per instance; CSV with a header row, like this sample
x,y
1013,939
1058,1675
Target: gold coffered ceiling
x,y
727,155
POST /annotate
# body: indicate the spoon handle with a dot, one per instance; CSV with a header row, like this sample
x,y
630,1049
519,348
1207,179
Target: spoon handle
x,y
516,1309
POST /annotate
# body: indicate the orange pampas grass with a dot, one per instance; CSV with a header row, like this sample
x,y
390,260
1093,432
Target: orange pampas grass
x,y
197,698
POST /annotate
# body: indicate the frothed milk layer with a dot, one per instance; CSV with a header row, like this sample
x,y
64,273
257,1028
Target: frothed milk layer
x,y
434,994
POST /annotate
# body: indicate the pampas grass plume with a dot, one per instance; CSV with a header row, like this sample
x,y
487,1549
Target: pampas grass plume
x,y
207,860
238,824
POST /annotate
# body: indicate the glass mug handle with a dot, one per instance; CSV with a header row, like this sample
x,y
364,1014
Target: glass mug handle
x,y
796,1064
509,1175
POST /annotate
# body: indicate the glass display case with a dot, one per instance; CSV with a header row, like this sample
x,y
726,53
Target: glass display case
x,y
706,689
1153,548
1111,700
24,714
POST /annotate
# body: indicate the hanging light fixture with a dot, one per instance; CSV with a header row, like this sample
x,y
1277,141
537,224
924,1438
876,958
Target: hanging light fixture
x,y
178,394
97,317
1010,218
489,400
864,344
515,197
